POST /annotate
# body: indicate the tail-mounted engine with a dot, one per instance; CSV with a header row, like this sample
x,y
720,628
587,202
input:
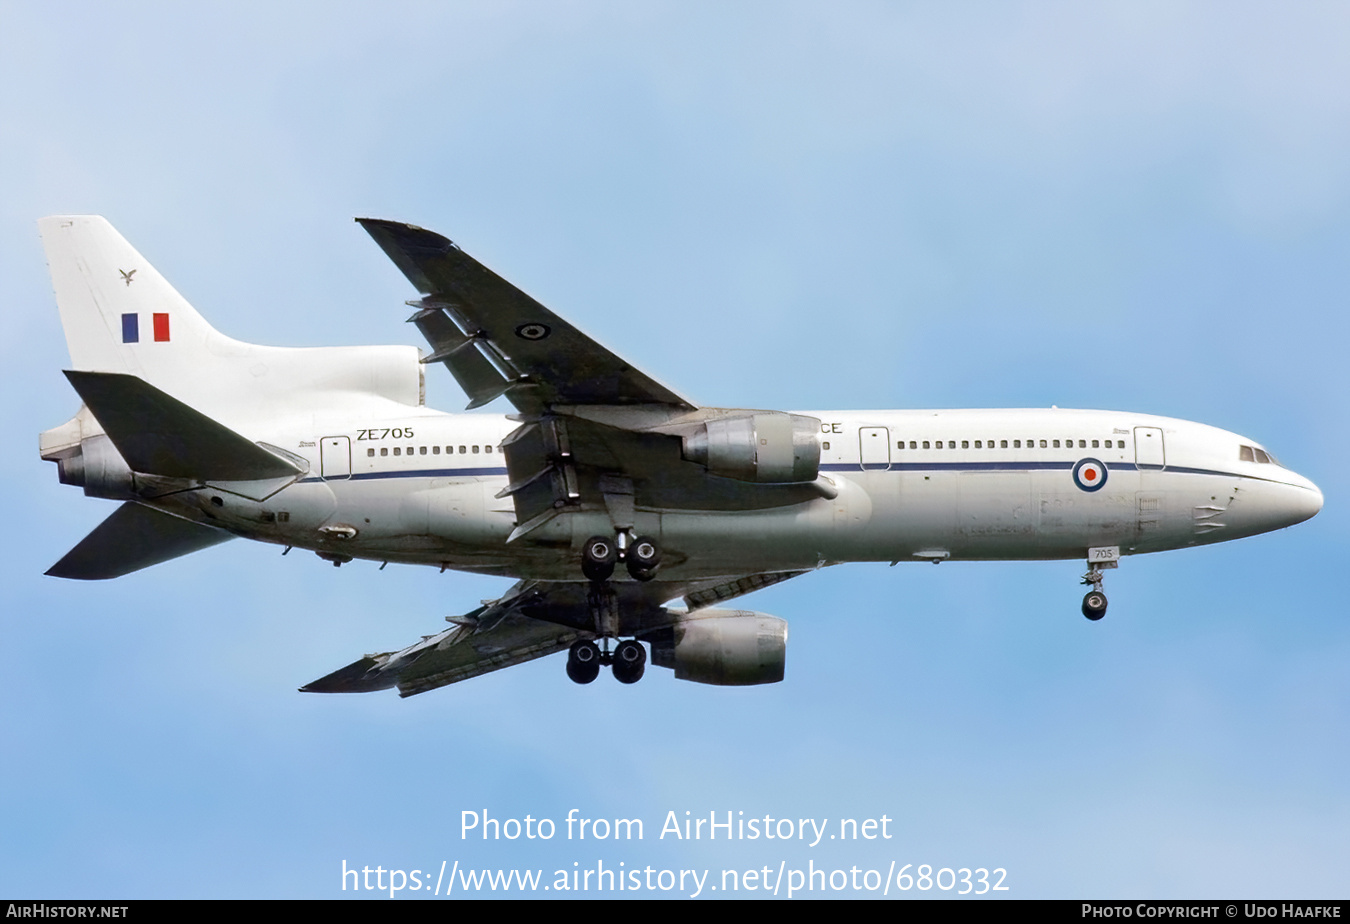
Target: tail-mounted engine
x,y
95,465
766,447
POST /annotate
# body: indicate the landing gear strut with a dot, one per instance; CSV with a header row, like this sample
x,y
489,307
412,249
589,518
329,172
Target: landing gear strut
x,y
599,557
1094,601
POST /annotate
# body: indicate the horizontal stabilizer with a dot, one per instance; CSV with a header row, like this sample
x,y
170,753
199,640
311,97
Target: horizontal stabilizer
x,y
160,435
134,537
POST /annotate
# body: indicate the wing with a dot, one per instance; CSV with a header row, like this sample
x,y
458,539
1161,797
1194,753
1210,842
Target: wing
x,y
596,433
496,340
534,619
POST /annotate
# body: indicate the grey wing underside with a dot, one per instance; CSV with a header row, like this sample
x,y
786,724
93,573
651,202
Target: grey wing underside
x,y
533,620
496,340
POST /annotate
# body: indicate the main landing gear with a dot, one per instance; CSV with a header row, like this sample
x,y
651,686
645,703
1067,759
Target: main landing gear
x,y
628,661
1094,601
601,555
599,558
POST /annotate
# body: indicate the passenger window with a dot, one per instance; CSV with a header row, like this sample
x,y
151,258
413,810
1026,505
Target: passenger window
x,y
435,450
900,445
925,444
1043,446
421,450
977,445
913,444
370,451
1094,444
463,449
1056,442
965,444
825,445
1002,444
384,451
395,450
487,448
1120,444
1017,444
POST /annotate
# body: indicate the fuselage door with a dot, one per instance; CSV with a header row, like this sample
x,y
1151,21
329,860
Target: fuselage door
x,y
1148,447
335,457
874,445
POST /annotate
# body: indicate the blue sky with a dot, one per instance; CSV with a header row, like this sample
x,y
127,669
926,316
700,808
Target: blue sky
x,y
1139,206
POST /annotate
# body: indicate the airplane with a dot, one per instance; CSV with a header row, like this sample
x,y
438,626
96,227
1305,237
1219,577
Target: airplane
x,y
627,514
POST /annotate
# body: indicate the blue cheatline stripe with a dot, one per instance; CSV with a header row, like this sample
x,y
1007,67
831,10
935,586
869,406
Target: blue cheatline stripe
x,y
415,473
955,467
1034,466
131,328
834,467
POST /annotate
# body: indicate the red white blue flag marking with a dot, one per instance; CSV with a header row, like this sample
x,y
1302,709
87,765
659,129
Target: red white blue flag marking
x,y
159,327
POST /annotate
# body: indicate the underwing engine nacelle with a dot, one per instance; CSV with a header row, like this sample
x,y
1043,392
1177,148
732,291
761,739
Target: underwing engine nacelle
x,y
725,648
767,447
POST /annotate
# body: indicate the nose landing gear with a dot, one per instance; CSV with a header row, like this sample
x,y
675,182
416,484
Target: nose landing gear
x,y
1094,601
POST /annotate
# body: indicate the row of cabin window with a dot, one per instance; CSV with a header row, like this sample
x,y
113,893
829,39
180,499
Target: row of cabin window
x,y
422,450
1017,443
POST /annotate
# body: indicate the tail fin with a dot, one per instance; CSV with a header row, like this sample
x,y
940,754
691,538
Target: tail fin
x,y
120,315
134,537
118,312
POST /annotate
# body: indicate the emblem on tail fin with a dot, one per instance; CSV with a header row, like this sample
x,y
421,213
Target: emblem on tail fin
x,y
126,277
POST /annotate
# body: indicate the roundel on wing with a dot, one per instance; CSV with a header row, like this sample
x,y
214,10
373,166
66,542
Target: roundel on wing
x,y
532,331
1089,475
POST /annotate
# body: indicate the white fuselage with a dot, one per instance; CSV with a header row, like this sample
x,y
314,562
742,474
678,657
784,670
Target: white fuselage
x,y
911,486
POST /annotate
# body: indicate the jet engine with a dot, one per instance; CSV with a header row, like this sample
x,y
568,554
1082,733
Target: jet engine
x,y
768,447
724,648
95,465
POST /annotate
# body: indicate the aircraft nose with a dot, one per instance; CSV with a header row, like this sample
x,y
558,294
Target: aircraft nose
x,y
1274,505
1305,502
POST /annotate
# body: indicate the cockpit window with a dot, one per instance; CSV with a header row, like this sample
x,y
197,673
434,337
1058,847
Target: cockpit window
x,y
1255,454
